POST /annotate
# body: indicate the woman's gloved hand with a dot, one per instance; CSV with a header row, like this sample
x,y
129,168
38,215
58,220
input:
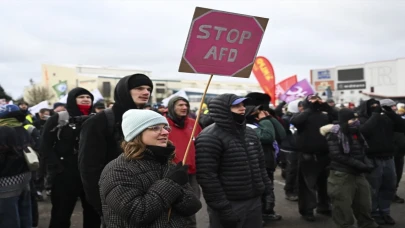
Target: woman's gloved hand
x,y
179,174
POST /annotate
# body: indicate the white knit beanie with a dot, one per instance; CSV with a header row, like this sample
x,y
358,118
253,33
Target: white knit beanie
x,y
135,121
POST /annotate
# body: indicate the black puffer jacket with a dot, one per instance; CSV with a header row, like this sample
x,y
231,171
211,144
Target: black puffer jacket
x,y
355,162
229,158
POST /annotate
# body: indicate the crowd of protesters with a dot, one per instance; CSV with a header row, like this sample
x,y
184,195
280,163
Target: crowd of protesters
x,y
124,160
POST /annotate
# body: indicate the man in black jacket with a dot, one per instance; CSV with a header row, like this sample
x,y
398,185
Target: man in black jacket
x,y
59,147
313,160
378,125
101,134
348,188
231,168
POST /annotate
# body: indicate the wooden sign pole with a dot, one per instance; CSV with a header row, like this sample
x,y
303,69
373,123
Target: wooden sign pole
x,y
192,133
196,120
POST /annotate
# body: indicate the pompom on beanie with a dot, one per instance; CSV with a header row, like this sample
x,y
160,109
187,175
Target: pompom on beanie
x,y
135,121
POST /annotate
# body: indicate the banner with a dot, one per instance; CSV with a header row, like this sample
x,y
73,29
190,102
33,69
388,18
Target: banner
x,y
60,89
301,89
263,70
284,85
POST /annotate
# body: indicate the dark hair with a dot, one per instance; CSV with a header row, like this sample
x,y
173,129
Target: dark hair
x,y
43,110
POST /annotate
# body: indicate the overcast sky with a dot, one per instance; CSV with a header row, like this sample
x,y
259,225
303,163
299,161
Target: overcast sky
x,y
301,35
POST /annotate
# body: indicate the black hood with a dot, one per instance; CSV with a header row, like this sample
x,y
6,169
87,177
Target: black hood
x,y
364,107
71,104
220,111
316,106
122,96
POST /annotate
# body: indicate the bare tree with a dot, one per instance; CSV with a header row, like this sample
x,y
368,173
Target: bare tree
x,y
37,94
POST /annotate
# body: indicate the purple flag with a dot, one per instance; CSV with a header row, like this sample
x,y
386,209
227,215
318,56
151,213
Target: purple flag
x,y
299,89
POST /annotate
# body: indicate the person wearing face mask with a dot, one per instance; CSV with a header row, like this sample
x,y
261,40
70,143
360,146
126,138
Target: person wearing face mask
x,y
59,147
378,125
265,127
348,187
101,134
231,167
313,159
182,127
143,187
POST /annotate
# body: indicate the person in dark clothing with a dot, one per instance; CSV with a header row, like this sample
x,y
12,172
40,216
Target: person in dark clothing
x,y
98,107
399,143
101,135
289,148
15,202
378,126
265,127
152,191
313,160
59,147
231,168
348,188
43,115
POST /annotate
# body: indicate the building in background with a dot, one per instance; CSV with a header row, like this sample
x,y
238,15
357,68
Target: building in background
x,y
353,83
60,79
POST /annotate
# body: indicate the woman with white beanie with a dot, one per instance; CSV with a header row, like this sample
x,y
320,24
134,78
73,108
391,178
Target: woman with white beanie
x,y
140,187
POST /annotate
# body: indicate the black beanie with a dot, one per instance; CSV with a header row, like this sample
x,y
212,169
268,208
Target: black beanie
x,y
345,115
139,80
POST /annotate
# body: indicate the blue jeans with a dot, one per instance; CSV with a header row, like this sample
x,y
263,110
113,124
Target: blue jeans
x,y
383,183
16,211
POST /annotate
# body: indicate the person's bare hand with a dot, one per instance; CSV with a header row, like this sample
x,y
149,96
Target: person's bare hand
x,y
262,114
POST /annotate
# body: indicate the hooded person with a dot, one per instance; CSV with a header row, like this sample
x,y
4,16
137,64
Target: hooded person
x,y
102,133
15,199
313,158
178,110
348,188
231,167
265,128
378,125
59,147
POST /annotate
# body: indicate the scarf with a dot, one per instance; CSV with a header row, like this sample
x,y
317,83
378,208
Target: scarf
x,y
179,122
343,139
161,154
10,122
84,109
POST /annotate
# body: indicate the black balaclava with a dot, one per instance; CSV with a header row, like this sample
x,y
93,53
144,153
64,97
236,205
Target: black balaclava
x,y
344,115
371,109
171,113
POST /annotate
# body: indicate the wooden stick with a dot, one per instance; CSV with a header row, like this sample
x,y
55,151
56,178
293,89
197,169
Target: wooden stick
x,y
192,133
196,120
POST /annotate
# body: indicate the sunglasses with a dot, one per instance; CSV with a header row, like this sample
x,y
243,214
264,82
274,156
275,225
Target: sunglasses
x,y
159,128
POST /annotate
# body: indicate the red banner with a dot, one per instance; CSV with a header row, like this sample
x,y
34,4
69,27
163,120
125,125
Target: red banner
x,y
263,70
284,85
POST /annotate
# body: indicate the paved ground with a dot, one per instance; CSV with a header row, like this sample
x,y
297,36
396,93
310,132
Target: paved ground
x,y
288,209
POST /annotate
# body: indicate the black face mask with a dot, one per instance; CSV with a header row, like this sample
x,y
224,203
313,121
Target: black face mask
x,y
315,106
239,119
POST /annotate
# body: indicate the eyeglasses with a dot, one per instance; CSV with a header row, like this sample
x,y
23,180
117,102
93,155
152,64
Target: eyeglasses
x,y
159,128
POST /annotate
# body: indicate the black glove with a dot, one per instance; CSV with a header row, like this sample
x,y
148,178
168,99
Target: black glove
x,y
229,219
179,174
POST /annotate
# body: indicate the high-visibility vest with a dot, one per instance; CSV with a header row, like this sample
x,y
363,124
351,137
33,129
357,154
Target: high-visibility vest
x,y
29,128
29,118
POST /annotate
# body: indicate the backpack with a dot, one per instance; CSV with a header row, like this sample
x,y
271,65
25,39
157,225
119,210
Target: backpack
x,y
63,120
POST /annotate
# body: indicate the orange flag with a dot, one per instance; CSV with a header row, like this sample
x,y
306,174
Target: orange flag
x,y
263,70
